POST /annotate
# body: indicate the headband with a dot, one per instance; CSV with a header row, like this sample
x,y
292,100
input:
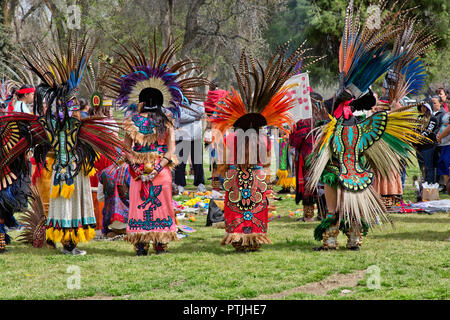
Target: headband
x,y
26,90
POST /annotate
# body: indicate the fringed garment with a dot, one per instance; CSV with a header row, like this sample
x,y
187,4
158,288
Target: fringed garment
x,y
151,213
345,156
246,207
72,219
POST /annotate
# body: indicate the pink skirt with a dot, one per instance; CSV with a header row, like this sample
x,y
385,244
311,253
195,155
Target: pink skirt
x,y
151,214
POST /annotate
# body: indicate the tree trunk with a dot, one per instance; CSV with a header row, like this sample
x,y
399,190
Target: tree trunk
x,y
167,20
58,17
191,27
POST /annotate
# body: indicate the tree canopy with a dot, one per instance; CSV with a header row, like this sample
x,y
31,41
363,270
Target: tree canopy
x,y
213,31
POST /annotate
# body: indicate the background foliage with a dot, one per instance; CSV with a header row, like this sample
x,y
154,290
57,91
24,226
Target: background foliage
x,y
215,31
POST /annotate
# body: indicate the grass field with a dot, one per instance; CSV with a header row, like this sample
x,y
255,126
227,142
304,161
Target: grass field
x,y
413,260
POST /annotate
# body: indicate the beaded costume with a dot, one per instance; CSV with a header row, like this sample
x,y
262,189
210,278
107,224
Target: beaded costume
x,y
163,88
261,102
347,151
76,143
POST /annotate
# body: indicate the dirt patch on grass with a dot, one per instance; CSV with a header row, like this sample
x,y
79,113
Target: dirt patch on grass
x,y
322,287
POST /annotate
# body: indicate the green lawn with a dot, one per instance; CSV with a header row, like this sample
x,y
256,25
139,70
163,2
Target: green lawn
x,y
413,259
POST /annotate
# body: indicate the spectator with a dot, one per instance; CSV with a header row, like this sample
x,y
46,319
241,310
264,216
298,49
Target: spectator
x,y
25,97
425,152
438,110
443,96
443,139
189,141
84,108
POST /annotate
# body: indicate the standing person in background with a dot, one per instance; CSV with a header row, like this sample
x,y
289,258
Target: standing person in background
x,y
100,110
189,141
214,98
444,100
84,108
25,96
443,139
438,112
438,109
425,152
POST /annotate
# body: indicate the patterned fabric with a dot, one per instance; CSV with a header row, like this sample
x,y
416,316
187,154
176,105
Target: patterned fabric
x,y
144,124
302,141
151,212
116,185
349,143
151,208
99,165
246,209
75,212
154,147
284,148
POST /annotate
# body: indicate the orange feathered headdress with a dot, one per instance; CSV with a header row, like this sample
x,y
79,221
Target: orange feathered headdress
x,y
263,101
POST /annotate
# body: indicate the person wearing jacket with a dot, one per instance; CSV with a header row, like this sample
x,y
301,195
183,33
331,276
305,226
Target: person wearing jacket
x,y
189,142
425,152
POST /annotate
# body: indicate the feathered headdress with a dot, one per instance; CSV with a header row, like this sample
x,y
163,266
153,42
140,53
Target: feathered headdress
x,y
134,72
363,55
92,83
262,101
6,88
60,70
408,71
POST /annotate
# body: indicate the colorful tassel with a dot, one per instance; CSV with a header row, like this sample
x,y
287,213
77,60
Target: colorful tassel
x,y
67,236
58,235
81,235
90,234
49,234
73,236
55,191
92,173
67,190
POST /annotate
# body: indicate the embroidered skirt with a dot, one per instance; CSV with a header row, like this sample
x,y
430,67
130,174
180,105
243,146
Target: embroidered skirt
x,y
151,216
246,207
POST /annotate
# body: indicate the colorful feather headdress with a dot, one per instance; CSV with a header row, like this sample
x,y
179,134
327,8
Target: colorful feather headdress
x,y
363,52
263,101
92,83
408,71
134,72
15,71
6,88
60,69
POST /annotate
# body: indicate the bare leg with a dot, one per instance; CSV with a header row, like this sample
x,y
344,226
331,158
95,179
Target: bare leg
x,y
331,199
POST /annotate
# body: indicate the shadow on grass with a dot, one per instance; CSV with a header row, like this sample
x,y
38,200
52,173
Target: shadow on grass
x,y
421,235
